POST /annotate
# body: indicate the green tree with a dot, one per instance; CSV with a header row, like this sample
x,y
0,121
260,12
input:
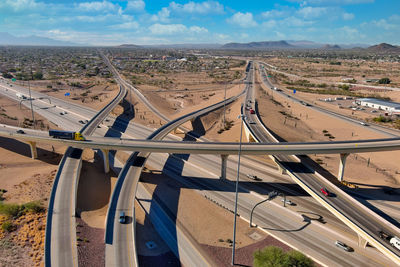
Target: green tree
x,y
384,81
7,75
298,259
38,76
271,256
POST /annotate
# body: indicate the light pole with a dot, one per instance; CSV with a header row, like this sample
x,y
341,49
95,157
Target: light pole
x,y
224,103
30,98
242,117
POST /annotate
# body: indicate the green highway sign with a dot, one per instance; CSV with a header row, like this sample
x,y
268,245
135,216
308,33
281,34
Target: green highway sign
x,y
13,79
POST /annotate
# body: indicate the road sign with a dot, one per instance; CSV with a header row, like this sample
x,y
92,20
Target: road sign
x,y
13,79
67,94
269,76
294,91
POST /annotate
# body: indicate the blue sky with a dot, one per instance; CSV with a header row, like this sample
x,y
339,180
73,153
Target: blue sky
x,y
114,22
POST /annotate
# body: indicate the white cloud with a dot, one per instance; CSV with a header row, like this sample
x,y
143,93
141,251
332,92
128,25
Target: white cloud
x,y
312,12
104,6
221,37
332,2
162,15
208,7
296,22
132,25
348,16
394,18
19,5
382,23
269,24
243,20
136,5
175,29
197,29
274,14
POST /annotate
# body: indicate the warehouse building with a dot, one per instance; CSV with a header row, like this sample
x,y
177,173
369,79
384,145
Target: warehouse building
x,y
388,106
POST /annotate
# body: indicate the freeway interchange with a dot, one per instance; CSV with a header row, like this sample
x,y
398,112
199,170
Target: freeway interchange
x,y
307,178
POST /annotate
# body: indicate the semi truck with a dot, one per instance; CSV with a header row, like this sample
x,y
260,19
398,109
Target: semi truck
x,y
66,135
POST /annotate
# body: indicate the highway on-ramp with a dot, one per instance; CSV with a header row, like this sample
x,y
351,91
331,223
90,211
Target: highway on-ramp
x,y
60,236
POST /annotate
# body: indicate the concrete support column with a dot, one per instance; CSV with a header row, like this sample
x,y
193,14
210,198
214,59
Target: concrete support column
x,y
106,160
224,159
33,150
280,169
343,158
362,242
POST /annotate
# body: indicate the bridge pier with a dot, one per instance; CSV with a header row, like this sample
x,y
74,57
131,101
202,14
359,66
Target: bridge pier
x,y
224,160
280,169
343,158
106,160
33,149
362,242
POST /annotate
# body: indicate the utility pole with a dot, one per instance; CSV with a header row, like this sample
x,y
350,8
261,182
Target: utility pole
x,y
30,98
242,117
226,82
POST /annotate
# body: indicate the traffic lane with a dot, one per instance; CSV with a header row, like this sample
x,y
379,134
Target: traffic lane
x,y
279,223
366,222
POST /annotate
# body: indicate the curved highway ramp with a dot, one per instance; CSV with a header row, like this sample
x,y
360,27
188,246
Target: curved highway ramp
x,y
60,237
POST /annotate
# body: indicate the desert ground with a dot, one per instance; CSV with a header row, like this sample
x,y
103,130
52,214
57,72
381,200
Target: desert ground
x,y
300,124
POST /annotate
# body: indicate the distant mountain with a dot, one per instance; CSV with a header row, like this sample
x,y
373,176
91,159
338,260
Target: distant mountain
x,y
129,46
314,45
8,39
383,48
331,47
304,44
258,45
185,46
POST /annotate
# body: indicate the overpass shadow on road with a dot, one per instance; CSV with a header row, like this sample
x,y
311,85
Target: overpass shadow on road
x,y
176,162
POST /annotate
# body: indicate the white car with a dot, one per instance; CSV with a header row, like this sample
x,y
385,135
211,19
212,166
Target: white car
x,y
395,242
287,201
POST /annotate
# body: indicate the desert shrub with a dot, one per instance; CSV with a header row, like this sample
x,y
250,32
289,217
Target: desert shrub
x,y
382,119
34,206
8,226
11,210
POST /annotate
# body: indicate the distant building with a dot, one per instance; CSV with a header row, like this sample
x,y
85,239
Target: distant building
x,y
379,104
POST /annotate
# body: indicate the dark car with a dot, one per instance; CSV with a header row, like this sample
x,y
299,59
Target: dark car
x,y
325,191
343,246
81,121
384,235
122,217
20,132
254,177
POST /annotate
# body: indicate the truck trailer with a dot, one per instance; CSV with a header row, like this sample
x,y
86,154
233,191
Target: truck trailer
x,y
66,135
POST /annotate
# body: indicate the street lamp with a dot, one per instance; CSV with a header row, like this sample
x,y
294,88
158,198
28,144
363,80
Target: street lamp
x,y
242,117
224,103
30,98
